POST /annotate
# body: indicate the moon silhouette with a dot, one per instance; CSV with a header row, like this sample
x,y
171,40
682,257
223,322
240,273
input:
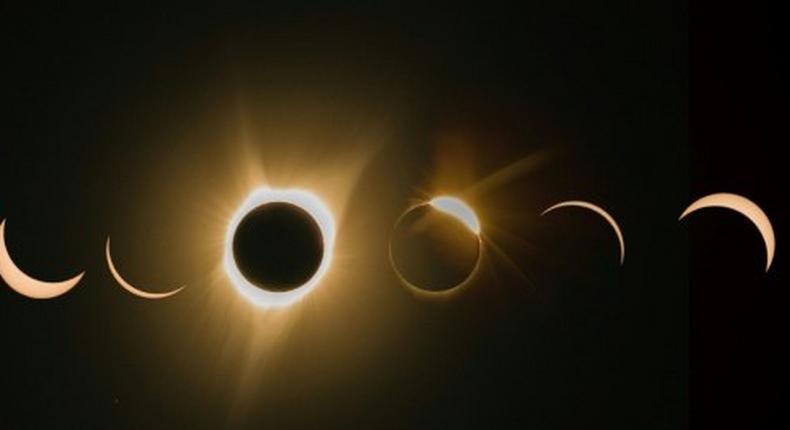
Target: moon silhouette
x,y
129,287
746,208
599,211
25,285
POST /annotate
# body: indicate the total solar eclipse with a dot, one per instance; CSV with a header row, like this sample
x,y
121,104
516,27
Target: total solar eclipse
x,y
278,245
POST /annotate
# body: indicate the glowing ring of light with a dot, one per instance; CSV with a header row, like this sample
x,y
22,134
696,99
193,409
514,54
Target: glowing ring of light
x,y
455,208
310,204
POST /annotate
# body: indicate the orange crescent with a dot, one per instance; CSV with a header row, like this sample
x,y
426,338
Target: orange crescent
x,y
599,211
746,208
26,285
129,287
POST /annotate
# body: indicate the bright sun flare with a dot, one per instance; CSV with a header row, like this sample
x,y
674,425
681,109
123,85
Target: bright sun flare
x,y
458,209
313,206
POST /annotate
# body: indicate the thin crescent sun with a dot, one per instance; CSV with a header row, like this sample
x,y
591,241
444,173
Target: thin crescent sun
x,y
26,285
599,211
746,208
129,287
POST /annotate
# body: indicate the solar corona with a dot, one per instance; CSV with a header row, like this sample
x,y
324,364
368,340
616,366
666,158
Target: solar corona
x,y
278,246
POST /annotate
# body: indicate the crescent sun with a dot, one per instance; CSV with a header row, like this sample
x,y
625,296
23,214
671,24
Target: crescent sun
x,y
129,287
599,211
24,284
746,208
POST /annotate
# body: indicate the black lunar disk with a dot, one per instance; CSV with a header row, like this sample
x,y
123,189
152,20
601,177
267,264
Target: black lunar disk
x,y
433,251
278,246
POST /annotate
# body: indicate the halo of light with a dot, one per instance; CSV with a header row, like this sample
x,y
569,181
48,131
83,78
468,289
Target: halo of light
x,y
306,201
464,213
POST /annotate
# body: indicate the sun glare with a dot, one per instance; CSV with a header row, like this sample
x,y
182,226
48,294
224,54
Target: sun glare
x,y
458,209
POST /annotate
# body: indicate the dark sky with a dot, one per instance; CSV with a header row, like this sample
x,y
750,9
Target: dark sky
x,y
642,106
739,316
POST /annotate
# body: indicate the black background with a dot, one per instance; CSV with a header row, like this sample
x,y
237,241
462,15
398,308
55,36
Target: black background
x,y
647,106
738,106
